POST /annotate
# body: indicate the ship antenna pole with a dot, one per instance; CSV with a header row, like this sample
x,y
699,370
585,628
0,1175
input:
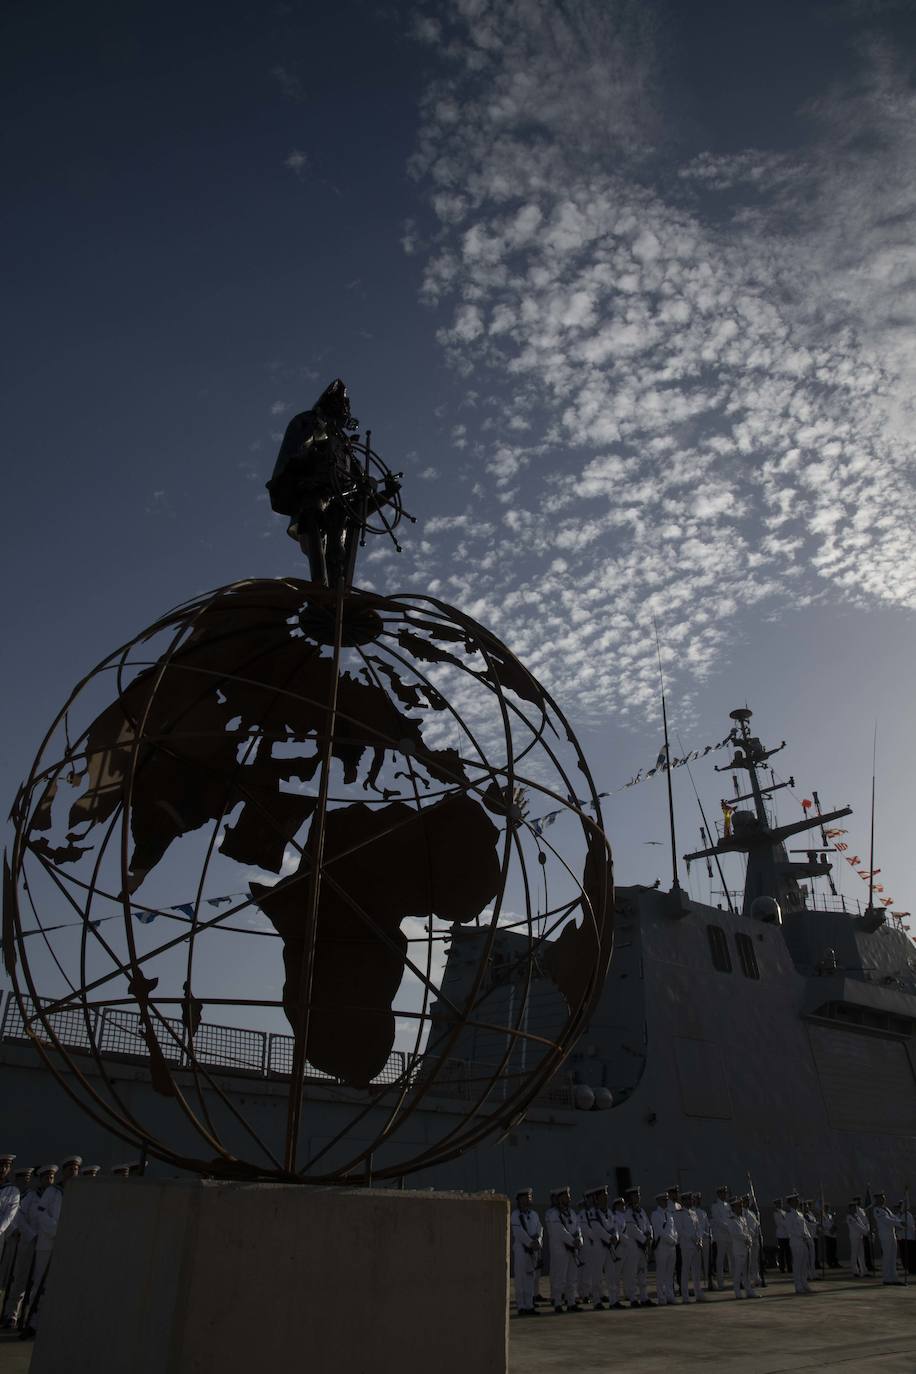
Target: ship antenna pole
x,y
871,849
675,885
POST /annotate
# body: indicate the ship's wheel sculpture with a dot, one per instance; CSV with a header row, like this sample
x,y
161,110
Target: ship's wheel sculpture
x,y
364,773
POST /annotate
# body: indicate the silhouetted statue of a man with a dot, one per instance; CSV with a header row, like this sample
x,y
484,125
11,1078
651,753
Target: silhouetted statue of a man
x,y
320,483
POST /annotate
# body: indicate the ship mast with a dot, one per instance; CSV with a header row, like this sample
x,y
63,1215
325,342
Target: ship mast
x,y
675,885
871,841
770,873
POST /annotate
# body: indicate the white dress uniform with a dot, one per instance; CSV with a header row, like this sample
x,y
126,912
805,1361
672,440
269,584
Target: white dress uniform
x,y
635,1239
565,1245
690,1240
642,1262
797,1231
719,1213
887,1223
9,1234
740,1250
706,1239
25,1251
674,1210
754,1267
664,1236
527,1234
858,1230
812,1223
601,1242
9,1206
619,1253
47,1219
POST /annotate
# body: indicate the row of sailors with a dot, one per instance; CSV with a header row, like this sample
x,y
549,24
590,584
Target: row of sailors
x,y
888,1224
31,1201
600,1251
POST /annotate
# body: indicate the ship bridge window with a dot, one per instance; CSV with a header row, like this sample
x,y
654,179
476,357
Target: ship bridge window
x,y
718,948
748,957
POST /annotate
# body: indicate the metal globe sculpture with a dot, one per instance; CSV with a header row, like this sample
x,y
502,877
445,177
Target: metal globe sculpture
x,y
280,803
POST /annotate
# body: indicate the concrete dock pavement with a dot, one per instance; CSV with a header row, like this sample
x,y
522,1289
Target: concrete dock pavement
x,y
847,1327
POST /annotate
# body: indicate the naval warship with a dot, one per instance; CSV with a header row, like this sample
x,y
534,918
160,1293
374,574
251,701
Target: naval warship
x,y
771,1038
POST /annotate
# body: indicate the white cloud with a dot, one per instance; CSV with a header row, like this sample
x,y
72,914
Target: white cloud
x,y
711,397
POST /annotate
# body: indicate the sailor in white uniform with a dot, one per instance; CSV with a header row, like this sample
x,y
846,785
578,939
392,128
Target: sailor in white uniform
x,y
741,1242
674,1205
811,1222
705,1235
690,1243
618,1212
47,1220
797,1232
888,1224
869,1255
601,1243
9,1208
664,1239
858,1230
719,1213
639,1230
565,1238
527,1236
47,1217
9,1243
783,1254
755,1258
25,1251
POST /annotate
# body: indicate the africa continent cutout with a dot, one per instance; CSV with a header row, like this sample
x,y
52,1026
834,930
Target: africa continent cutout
x,y
381,865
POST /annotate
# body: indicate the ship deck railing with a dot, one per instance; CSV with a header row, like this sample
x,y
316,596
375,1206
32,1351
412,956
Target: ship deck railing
x,y
239,1051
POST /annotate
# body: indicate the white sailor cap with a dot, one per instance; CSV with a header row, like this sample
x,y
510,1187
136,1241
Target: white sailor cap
x,y
71,1159
789,1196
563,1188
121,1169
91,1170
7,1158
660,1196
47,1169
523,1192
598,1188
25,1172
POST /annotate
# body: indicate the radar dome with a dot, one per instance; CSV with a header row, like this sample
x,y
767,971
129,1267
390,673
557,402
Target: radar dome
x,y
766,909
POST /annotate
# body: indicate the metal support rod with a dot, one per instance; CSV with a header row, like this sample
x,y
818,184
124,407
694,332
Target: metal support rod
x,y
300,1050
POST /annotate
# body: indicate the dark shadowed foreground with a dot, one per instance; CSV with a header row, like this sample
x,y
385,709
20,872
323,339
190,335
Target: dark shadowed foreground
x,y
845,1327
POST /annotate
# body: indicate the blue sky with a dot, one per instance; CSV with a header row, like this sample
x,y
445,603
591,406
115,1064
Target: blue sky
x,y
626,290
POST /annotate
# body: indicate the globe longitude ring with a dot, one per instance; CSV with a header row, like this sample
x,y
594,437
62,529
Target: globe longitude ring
x,y
302,878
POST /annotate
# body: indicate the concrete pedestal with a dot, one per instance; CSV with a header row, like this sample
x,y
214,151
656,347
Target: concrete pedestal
x,y
197,1278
